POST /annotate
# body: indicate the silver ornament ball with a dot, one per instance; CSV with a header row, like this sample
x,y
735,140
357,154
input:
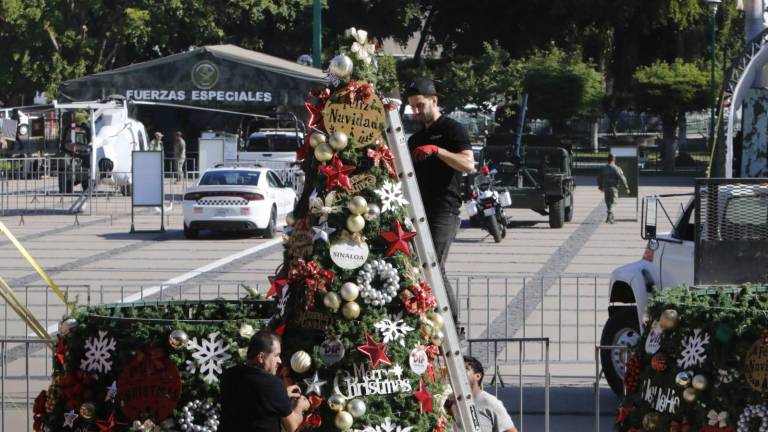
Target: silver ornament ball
x,y
689,394
332,301
67,326
316,139
178,339
336,402
683,379
358,205
349,291
356,407
341,66
355,223
699,382
338,141
344,420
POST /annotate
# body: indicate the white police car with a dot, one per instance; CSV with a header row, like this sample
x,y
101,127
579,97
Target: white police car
x,y
236,197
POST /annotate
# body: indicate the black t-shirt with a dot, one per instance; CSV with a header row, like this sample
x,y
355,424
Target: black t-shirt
x,y
252,400
440,185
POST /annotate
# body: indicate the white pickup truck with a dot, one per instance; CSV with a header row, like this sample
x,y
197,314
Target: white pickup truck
x,y
719,237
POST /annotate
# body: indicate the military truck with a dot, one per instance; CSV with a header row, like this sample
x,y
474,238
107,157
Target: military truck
x,y
538,177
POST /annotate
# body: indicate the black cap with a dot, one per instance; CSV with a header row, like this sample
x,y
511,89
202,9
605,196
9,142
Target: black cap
x,y
421,86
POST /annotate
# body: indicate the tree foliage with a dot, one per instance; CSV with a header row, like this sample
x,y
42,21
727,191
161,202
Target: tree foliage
x,y
667,89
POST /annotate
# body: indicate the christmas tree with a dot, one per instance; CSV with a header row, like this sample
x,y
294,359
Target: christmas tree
x,y
360,334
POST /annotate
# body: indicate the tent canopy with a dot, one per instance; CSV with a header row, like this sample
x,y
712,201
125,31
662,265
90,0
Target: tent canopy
x,y
216,76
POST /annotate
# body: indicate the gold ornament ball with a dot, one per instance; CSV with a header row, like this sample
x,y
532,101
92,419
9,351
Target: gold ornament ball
x,y
87,410
437,338
668,319
336,402
300,362
178,339
67,326
341,66
351,310
338,141
349,291
651,421
355,223
290,219
323,152
332,301
689,394
436,319
699,382
344,420
683,379
316,139
356,407
358,205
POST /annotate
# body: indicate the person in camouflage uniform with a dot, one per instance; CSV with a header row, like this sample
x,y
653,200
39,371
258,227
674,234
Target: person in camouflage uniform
x,y
608,182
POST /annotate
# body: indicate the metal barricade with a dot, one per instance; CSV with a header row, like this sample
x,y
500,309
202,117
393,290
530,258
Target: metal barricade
x,y
599,373
497,378
25,370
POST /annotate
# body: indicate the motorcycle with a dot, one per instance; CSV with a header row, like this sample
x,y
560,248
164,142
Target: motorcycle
x,y
487,204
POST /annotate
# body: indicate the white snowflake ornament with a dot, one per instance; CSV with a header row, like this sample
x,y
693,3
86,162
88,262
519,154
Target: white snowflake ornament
x,y
387,426
210,355
98,353
393,331
694,349
391,195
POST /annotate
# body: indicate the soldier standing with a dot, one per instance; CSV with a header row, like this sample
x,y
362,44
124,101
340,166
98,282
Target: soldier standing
x,y
180,153
156,144
608,182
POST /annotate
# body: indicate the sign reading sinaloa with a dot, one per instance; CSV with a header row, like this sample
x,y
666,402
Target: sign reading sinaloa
x,y
362,120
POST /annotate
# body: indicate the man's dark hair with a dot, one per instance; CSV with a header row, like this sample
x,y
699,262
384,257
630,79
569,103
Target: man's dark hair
x,y
610,157
476,367
261,342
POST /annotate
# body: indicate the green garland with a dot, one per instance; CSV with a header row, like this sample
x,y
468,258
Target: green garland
x,y
734,319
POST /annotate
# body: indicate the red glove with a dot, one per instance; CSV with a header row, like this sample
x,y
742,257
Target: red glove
x,y
423,152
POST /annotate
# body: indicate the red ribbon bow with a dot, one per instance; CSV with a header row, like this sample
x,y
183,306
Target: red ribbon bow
x,y
312,275
382,155
422,299
359,92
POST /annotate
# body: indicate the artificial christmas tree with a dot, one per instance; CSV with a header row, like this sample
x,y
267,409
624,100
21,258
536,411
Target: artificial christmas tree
x,y
355,300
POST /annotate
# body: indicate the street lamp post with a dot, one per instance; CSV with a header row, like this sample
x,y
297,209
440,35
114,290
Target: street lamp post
x,y
712,4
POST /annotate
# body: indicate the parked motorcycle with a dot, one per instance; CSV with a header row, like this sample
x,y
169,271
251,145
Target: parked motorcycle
x,y
487,204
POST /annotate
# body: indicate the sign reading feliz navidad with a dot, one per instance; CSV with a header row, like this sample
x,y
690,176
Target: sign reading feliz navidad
x,y
362,121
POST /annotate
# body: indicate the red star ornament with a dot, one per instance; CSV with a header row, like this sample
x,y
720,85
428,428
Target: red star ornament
x,y
376,351
336,173
315,115
424,397
109,424
276,286
398,239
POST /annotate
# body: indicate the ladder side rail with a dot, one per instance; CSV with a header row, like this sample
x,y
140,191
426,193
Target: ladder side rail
x,y
427,255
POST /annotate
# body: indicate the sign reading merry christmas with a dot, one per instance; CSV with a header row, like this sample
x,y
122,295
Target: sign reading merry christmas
x,y
368,382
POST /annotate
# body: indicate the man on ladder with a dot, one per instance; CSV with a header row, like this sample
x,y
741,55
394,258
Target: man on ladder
x,y
441,153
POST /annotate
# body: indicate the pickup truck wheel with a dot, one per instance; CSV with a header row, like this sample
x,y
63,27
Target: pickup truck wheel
x,y
557,213
620,329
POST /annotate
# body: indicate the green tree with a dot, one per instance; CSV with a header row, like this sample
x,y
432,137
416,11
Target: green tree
x,y
561,87
668,89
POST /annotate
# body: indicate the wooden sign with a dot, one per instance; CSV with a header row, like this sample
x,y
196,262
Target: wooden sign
x,y
300,244
362,121
149,387
314,320
359,183
756,366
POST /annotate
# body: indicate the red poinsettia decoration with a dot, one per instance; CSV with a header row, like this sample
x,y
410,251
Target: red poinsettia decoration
x,y
359,92
398,239
76,389
337,174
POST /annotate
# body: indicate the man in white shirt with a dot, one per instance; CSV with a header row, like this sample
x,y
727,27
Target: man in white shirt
x,y
492,415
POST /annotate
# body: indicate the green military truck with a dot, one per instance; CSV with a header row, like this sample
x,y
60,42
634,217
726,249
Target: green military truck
x,y
538,174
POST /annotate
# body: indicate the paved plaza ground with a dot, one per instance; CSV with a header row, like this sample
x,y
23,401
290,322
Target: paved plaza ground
x,y
538,282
